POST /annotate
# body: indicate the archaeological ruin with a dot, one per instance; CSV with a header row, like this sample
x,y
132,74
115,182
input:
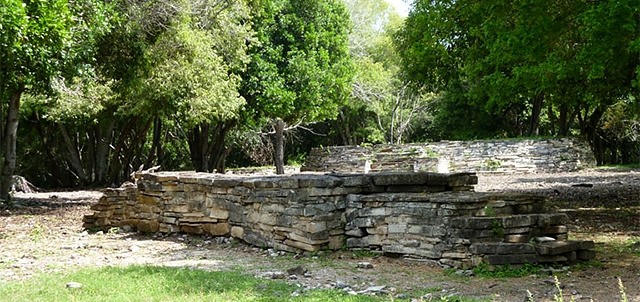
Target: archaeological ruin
x,y
426,216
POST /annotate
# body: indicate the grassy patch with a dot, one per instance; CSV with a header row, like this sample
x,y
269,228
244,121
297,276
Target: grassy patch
x,y
152,283
506,271
620,167
149,283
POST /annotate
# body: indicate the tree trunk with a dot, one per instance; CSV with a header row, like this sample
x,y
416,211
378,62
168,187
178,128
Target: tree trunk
x,y
156,144
53,164
279,146
10,139
534,126
588,127
218,150
103,141
343,129
552,120
74,156
198,147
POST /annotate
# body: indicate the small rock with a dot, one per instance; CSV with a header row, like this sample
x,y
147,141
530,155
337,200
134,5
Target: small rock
x,y
134,248
298,270
352,292
365,265
464,273
427,297
274,275
73,285
341,285
544,239
374,290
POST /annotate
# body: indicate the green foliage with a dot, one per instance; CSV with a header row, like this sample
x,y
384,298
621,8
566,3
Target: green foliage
x,y
491,164
300,68
506,271
496,228
522,67
489,211
34,35
382,108
188,81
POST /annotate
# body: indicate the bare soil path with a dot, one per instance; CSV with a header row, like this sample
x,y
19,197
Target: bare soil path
x,y
44,234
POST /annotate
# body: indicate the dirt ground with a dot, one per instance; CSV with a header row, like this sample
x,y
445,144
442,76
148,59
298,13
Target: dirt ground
x,y
44,234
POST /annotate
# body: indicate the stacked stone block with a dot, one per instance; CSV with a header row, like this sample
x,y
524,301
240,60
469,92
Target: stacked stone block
x,y
512,156
118,206
430,216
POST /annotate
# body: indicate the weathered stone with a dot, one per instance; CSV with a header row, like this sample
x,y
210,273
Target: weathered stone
x,y
145,226
406,179
356,181
318,181
237,232
311,226
178,208
553,258
455,255
557,247
217,213
502,248
547,220
337,242
303,246
379,230
397,228
516,221
510,259
148,200
191,229
517,238
462,179
355,232
168,228
357,242
217,229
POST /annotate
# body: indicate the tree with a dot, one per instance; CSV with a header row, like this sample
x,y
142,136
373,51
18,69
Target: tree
x,y
35,35
524,56
300,69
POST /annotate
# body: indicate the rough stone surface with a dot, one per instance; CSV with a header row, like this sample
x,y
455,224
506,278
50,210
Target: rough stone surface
x,y
513,156
422,215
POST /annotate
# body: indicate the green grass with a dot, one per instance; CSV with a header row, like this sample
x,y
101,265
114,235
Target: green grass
x,y
150,283
506,271
620,167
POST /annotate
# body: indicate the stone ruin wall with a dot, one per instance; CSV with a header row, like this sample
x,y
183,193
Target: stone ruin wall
x,y
512,156
425,216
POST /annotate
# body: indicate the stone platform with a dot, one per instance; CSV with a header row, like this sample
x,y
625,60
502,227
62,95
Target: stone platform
x,y
426,216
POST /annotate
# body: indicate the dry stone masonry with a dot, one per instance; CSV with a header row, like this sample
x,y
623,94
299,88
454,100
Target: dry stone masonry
x,y
513,156
426,216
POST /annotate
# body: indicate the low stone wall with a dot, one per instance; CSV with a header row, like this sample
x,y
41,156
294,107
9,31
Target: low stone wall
x,y
513,156
429,216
